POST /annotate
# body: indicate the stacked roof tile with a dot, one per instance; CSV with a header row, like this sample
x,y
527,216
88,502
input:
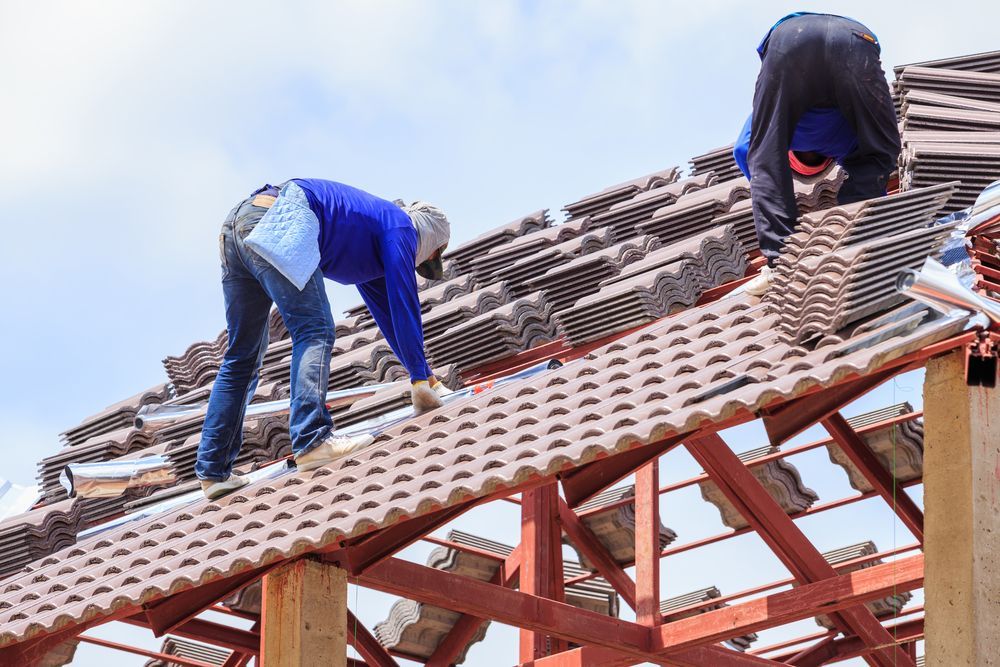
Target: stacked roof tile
x,y
676,608
461,257
841,266
567,283
614,526
667,280
779,478
608,197
885,607
950,112
899,447
36,533
497,334
184,648
623,217
719,161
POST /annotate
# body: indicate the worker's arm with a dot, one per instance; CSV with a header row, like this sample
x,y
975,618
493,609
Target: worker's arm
x,y
742,148
394,303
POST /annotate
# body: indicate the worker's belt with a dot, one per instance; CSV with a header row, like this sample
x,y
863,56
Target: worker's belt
x,y
265,196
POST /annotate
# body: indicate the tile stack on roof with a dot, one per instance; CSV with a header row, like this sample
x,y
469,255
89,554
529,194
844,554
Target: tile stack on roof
x,y
415,629
779,478
568,283
198,365
720,161
899,448
497,334
469,306
841,266
183,648
950,111
520,274
973,165
672,610
988,61
668,279
608,197
615,526
491,267
623,217
812,193
695,212
116,416
883,608
36,533
462,256
442,291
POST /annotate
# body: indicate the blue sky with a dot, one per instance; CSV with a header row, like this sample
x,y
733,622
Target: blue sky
x,y
132,128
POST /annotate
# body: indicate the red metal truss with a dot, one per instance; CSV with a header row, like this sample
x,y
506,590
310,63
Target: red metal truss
x,y
541,572
881,479
156,655
787,541
452,591
365,643
588,544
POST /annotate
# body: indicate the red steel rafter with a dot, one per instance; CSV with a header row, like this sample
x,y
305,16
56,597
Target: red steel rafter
x,y
789,544
882,480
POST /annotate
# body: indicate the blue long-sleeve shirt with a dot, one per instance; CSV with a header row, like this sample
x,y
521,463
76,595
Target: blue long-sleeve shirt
x,y
370,242
819,130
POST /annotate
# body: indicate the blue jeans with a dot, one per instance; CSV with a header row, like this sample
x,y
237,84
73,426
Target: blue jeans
x,y
250,285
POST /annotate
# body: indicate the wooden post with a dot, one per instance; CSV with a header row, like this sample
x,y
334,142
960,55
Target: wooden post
x,y
962,516
541,562
304,613
647,544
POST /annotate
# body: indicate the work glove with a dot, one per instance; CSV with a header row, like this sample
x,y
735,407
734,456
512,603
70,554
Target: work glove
x,y
423,397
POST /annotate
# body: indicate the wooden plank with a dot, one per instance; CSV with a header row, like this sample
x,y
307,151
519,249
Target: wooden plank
x,y
304,615
647,544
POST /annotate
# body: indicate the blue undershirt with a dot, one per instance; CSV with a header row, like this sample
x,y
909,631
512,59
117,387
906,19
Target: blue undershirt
x,y
370,242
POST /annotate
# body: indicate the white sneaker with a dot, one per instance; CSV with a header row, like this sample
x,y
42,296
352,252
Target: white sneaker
x,y
213,490
758,286
331,449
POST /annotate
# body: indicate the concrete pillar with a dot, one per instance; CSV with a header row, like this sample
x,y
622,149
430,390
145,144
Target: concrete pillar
x,y
304,614
962,517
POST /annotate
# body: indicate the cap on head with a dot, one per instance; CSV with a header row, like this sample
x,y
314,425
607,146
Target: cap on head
x,y
433,232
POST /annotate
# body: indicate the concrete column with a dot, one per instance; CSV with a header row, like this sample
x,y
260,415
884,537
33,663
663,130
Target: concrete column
x,y
304,614
962,517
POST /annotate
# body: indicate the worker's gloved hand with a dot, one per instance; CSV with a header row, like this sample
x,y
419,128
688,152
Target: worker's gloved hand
x,y
423,397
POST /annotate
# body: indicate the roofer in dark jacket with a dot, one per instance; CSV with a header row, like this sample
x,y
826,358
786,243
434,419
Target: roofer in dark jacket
x,y
821,95
276,247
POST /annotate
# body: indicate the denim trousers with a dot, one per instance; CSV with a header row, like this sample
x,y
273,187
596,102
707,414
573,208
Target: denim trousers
x,y
250,286
824,62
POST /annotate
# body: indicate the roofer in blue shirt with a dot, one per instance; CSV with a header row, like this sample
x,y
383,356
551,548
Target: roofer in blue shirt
x,y
821,96
276,247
